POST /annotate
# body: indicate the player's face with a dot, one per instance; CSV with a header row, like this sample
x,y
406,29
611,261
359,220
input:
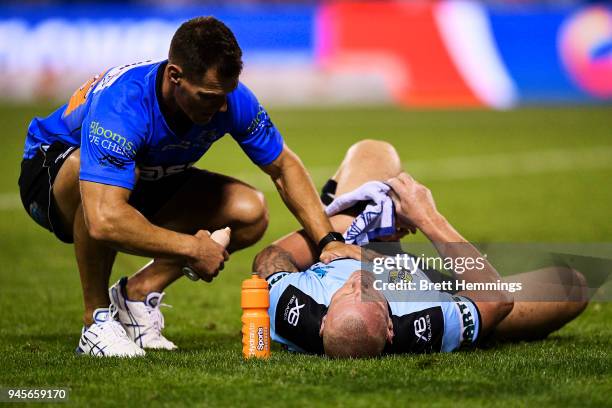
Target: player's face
x,y
201,100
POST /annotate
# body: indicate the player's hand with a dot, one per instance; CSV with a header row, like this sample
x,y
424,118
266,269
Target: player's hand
x,y
337,249
414,204
208,258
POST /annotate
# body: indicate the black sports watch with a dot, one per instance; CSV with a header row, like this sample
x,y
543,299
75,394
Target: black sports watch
x,y
332,236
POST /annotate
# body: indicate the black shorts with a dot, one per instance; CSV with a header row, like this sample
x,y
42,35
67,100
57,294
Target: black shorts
x,y
38,175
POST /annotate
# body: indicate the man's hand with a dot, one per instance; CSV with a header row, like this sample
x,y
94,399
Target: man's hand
x,y
208,257
336,249
414,204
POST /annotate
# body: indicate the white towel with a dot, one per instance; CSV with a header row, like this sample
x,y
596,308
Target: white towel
x,y
376,220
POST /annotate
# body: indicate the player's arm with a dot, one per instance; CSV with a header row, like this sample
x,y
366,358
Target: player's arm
x,y
263,143
302,249
111,219
273,259
298,192
415,205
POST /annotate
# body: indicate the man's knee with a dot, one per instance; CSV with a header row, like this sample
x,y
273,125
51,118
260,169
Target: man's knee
x,y
578,292
248,207
368,160
249,214
371,146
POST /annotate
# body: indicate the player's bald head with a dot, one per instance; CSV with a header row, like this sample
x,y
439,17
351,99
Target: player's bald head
x,y
357,332
357,323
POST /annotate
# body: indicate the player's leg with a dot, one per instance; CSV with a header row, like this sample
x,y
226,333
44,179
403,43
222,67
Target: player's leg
x,y
364,161
563,294
207,201
211,201
95,262
49,186
94,259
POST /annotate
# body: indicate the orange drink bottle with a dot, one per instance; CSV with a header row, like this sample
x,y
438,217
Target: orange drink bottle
x,y
255,301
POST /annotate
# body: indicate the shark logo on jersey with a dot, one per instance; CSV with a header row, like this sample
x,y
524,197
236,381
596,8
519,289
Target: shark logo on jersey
x,y
320,271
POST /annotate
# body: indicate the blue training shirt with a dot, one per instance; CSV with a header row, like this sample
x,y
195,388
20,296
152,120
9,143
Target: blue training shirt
x,y
423,321
116,120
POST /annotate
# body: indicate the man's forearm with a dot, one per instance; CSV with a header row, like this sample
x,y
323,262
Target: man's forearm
x,y
298,192
127,230
451,244
273,259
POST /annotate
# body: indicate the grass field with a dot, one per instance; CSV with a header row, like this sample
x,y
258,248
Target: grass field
x,y
532,175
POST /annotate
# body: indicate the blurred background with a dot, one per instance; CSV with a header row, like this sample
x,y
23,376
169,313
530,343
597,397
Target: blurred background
x,y
502,108
447,54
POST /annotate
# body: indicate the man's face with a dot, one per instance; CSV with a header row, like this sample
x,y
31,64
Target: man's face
x,y
202,99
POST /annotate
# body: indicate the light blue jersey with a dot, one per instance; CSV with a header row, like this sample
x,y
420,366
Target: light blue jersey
x,y
423,321
116,120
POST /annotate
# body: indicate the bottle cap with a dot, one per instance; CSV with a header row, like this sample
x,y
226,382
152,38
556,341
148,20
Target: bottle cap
x,y
255,293
254,282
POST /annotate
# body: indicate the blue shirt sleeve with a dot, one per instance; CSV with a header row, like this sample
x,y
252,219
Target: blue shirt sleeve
x,y
252,127
112,133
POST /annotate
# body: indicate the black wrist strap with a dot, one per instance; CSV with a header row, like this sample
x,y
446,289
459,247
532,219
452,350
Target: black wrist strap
x,y
332,236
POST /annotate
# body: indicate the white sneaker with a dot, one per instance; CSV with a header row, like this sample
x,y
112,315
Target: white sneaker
x,y
107,338
143,321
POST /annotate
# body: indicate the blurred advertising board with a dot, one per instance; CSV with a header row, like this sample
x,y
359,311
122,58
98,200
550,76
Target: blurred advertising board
x,y
415,54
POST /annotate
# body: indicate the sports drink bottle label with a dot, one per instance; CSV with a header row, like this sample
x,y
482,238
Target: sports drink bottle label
x,y
256,336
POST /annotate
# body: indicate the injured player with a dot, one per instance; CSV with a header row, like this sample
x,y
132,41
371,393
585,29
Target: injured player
x,y
339,309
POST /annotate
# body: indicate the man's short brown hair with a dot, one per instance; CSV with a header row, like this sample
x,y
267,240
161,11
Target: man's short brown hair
x,y
203,43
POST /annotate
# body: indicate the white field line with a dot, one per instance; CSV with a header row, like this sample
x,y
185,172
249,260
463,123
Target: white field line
x,y
479,167
450,169
9,201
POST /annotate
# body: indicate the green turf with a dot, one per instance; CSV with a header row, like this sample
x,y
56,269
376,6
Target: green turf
x,y
40,301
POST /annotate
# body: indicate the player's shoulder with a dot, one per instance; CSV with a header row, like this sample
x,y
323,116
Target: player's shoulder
x,y
242,94
130,85
128,74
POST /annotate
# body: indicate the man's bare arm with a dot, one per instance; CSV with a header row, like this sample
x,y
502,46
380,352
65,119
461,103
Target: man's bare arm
x,y
298,192
273,259
415,205
109,218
